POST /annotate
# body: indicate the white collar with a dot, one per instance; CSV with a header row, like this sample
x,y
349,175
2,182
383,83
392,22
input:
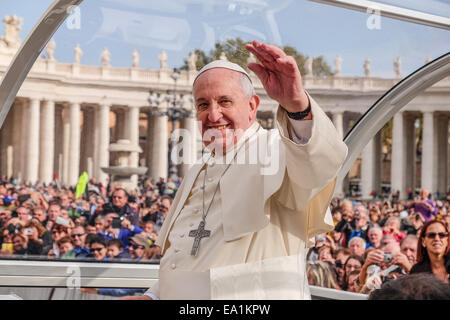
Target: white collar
x,y
254,127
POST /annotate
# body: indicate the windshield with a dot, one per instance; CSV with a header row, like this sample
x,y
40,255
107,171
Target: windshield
x,y
98,109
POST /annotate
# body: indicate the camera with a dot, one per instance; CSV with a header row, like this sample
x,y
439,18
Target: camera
x,y
356,213
117,223
29,231
387,258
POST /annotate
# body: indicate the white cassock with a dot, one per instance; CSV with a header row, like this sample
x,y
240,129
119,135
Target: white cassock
x,y
261,218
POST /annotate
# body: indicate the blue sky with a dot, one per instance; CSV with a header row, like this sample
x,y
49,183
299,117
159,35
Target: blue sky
x,y
179,26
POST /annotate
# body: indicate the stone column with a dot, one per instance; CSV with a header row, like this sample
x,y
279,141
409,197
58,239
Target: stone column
x,y
17,156
47,142
24,141
58,158
88,142
441,159
338,121
368,170
159,165
74,147
428,150
32,160
398,156
133,135
190,124
7,146
409,158
65,146
150,142
103,141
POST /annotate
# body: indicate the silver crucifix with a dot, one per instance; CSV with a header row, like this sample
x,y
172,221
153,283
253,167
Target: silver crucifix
x,y
199,233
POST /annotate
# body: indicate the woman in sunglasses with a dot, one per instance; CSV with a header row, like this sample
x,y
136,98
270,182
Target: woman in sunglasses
x,y
433,250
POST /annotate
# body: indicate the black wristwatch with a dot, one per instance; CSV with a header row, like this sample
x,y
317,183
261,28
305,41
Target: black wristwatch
x,y
299,115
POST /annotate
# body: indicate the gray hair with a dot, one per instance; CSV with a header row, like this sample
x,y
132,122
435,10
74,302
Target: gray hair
x,y
375,228
357,238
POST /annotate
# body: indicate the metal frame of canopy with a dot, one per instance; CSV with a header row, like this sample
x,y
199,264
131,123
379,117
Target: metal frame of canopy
x,y
16,273
391,11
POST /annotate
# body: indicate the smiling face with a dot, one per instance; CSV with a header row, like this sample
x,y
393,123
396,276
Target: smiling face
x,y
98,251
375,235
435,245
223,107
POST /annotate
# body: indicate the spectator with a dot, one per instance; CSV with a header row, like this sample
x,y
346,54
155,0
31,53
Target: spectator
x,y
121,206
375,235
374,216
356,227
115,249
406,288
324,254
98,248
58,232
354,262
39,214
152,254
126,230
433,250
138,244
313,253
5,216
321,274
392,227
78,236
35,231
408,247
357,246
387,239
351,281
341,257
65,247
424,206
91,229
54,211
100,225
24,214
336,213
161,215
24,246
347,210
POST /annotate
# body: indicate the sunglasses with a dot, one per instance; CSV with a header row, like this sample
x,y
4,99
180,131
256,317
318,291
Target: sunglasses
x,y
339,264
77,235
97,249
432,235
135,246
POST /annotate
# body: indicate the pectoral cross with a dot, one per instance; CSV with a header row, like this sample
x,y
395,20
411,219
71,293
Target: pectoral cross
x,y
198,234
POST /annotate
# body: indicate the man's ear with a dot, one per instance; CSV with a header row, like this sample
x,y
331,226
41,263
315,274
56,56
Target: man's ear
x,y
253,104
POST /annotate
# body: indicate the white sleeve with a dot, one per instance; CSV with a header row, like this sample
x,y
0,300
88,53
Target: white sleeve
x,y
301,130
153,292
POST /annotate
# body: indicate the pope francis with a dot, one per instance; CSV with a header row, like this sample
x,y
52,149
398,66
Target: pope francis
x,y
241,221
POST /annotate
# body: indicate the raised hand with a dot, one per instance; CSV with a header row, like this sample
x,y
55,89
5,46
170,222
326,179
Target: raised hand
x,y
279,75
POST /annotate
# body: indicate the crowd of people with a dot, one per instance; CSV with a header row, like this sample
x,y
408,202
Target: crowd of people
x,y
102,224
373,242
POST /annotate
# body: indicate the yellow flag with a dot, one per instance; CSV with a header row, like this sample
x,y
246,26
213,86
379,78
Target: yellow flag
x,y
82,183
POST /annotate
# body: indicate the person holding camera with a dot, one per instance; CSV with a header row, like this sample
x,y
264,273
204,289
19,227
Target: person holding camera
x,y
357,227
433,250
392,227
425,206
121,206
121,228
378,262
